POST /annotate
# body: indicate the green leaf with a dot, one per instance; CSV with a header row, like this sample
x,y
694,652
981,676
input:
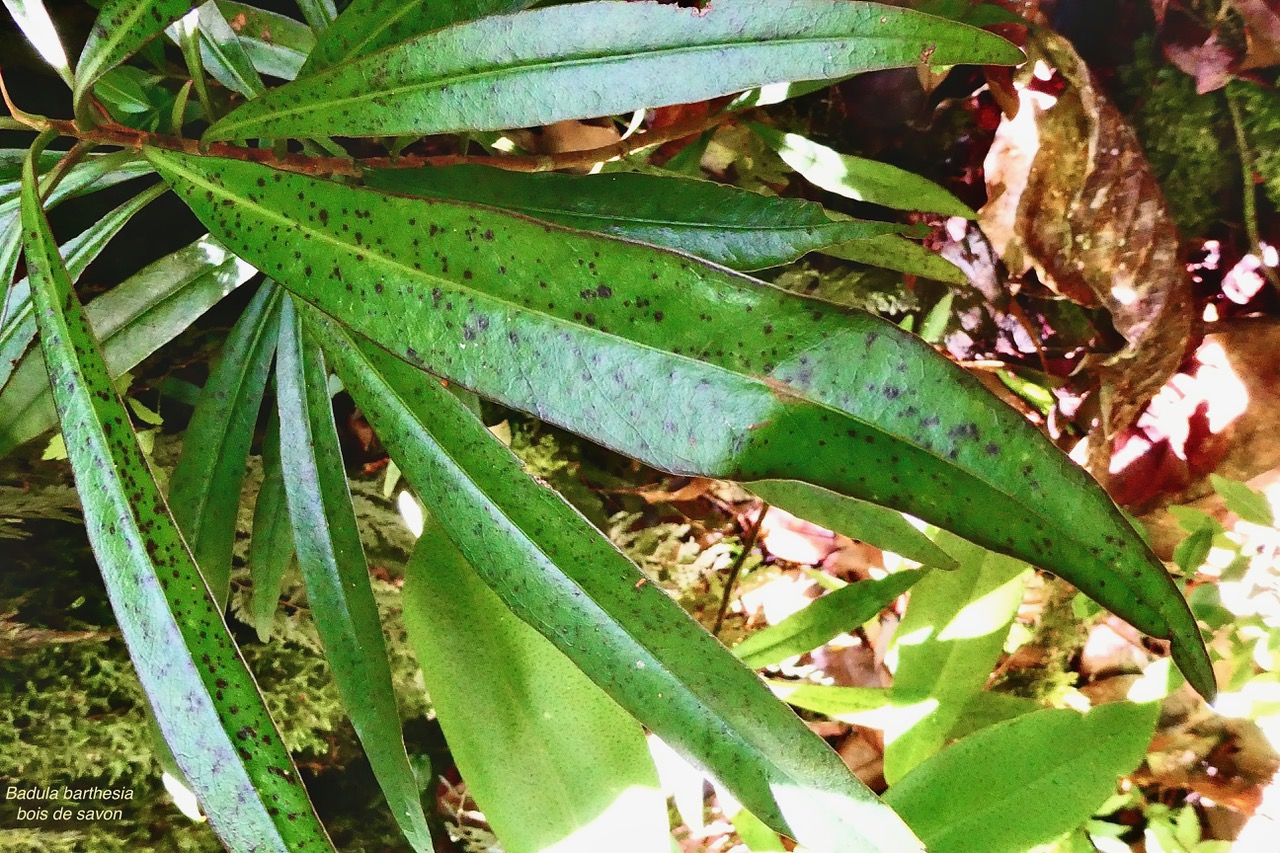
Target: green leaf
x,y
222,54
987,708
121,90
946,646
726,225
131,321
367,26
1024,782
894,252
884,528
19,330
688,367
880,708
276,45
335,571
1191,552
122,27
860,179
318,13
204,489
552,761
97,172
601,58
823,619
33,19
271,546
198,686
1250,505
558,574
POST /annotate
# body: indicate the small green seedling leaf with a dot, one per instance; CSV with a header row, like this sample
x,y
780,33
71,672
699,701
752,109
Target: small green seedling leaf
x,y
823,619
856,519
1251,505
946,646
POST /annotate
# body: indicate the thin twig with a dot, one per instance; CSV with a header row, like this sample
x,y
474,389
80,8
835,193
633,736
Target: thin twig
x,y
736,569
1248,188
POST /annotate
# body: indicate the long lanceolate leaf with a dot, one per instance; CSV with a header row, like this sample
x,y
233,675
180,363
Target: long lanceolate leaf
x,y
689,367
737,228
94,174
203,696
553,569
204,490
602,58
121,28
131,321
336,574
367,26
19,328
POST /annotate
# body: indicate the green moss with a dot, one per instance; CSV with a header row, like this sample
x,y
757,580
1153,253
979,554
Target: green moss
x,y
1184,136
1260,117
72,710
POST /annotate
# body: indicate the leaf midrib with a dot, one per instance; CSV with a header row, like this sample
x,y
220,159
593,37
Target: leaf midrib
x,y
463,473
411,274
602,60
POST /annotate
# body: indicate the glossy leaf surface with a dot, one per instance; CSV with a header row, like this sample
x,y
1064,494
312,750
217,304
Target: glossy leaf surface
x,y
33,19
223,55
856,519
894,252
824,618
19,329
558,574
688,367
277,45
336,573
271,545
726,225
97,172
973,796
367,26
946,647
131,321
551,760
601,58
122,26
198,686
858,178
204,489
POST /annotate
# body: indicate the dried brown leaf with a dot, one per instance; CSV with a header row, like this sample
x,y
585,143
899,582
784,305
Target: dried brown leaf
x,y
1073,197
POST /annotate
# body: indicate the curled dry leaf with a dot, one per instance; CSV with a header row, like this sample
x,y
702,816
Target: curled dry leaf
x,y
1072,196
